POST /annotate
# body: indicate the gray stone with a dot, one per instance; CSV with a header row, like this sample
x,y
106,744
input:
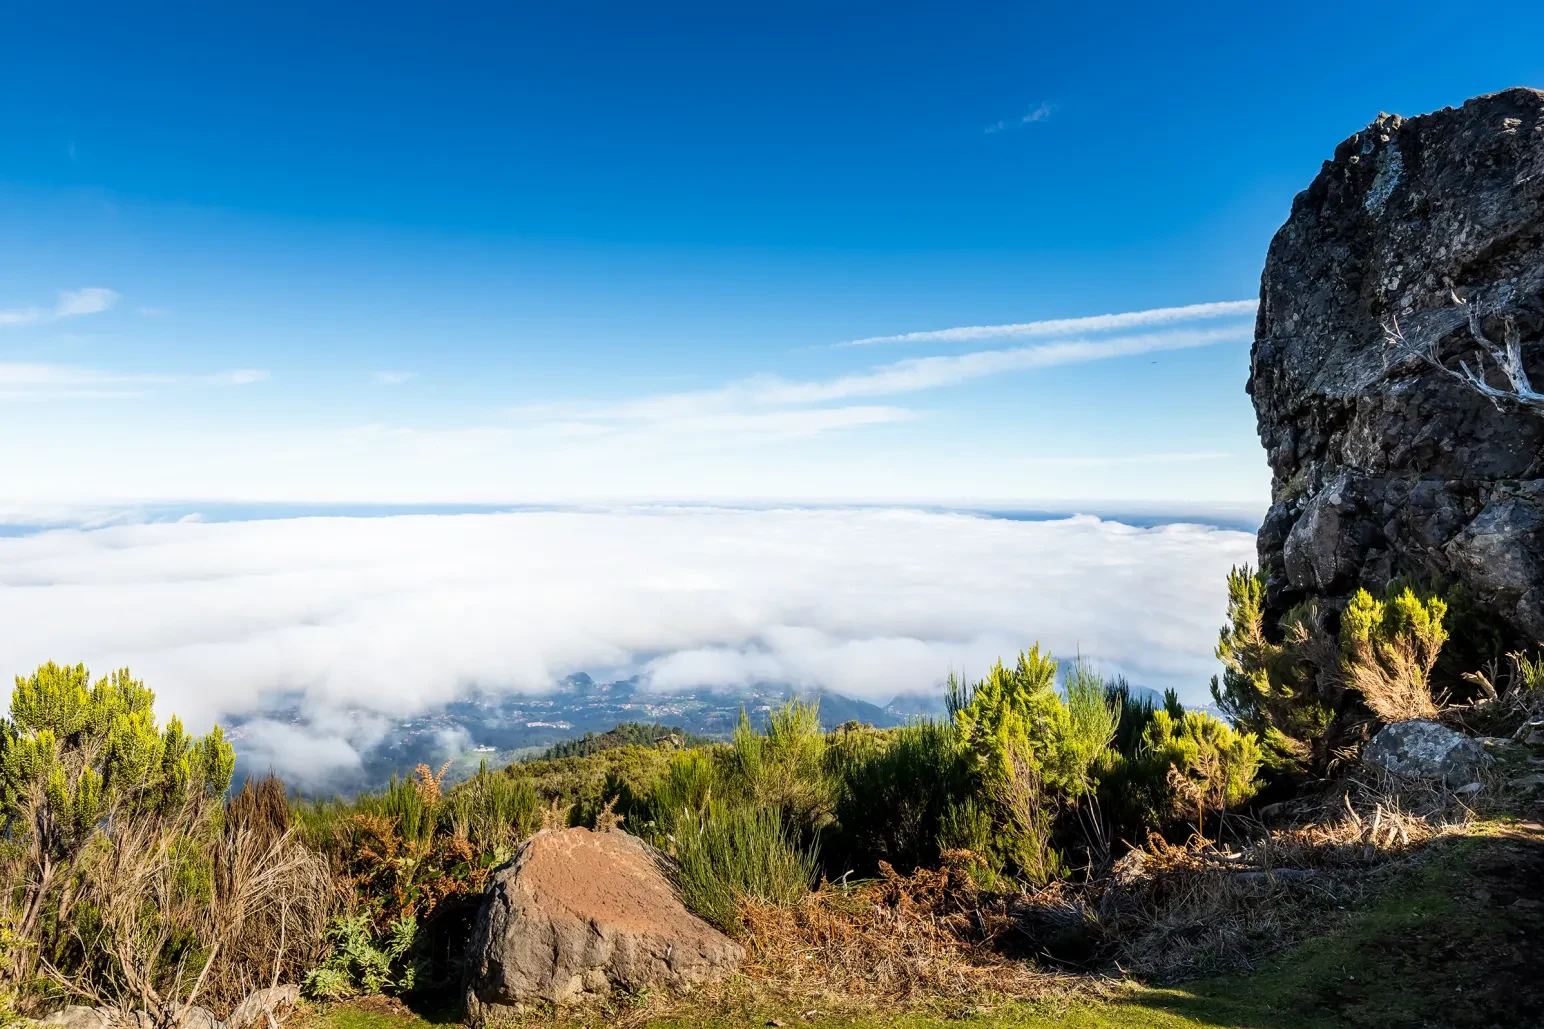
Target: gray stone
x,y
200,1018
79,1016
1425,750
576,913
1381,464
259,1005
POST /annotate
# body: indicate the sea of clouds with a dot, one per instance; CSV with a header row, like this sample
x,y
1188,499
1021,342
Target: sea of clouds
x,y
367,618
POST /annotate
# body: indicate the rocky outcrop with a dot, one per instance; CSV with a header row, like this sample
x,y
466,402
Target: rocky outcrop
x,y
1425,750
576,913
1383,464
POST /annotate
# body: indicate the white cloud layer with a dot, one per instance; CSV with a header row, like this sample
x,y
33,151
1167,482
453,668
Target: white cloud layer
x,y
394,615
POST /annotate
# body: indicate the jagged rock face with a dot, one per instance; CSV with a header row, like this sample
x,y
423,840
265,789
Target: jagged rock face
x,y
1382,464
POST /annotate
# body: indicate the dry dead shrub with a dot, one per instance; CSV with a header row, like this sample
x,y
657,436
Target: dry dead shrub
x,y
931,935
178,917
1166,912
271,898
429,783
1511,697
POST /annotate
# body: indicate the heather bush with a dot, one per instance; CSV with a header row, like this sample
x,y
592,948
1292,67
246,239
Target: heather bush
x,y
1282,685
131,880
895,789
1388,649
1206,766
730,853
784,766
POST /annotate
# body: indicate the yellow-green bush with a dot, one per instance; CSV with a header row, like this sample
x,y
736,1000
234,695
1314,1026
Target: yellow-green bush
x,y
1207,766
1388,648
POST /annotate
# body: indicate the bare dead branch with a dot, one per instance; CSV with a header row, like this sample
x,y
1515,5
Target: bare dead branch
x,y
1506,356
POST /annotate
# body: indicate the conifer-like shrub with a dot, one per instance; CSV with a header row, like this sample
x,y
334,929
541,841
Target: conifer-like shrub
x,y
1206,765
1032,754
1389,647
84,767
1282,685
784,766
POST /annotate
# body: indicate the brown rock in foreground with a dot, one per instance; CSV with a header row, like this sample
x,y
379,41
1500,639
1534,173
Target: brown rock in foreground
x,y
576,913
1382,463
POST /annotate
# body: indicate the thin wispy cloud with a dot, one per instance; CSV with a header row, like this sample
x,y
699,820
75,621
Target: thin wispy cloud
x,y
387,378
1115,461
38,382
1039,114
71,303
914,374
1061,326
234,377
75,302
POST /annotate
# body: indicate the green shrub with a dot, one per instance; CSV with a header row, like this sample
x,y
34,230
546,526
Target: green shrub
x,y
686,788
737,852
361,964
1282,686
493,812
1019,712
895,790
1205,765
1033,753
1092,721
587,783
84,767
1388,648
784,767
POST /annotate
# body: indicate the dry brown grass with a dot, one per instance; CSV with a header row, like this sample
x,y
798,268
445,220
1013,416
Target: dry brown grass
x,y
933,935
1167,912
181,917
1178,912
1396,688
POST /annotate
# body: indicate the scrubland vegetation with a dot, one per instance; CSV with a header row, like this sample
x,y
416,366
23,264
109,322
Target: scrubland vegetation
x,y
1050,826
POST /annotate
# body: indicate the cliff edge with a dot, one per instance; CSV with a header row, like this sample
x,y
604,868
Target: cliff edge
x,y
1384,463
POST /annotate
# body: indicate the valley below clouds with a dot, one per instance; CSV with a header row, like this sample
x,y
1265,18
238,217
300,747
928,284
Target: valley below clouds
x,y
358,620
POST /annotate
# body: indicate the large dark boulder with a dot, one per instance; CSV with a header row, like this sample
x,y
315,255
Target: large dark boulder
x,y
1383,464
576,914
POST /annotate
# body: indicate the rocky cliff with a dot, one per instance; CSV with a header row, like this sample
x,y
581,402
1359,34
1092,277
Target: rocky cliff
x,y
1384,463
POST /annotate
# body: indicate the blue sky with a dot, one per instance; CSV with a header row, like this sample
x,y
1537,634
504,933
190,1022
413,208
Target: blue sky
x,y
405,254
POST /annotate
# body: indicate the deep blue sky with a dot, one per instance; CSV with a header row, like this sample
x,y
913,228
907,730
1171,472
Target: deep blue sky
x,y
451,253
